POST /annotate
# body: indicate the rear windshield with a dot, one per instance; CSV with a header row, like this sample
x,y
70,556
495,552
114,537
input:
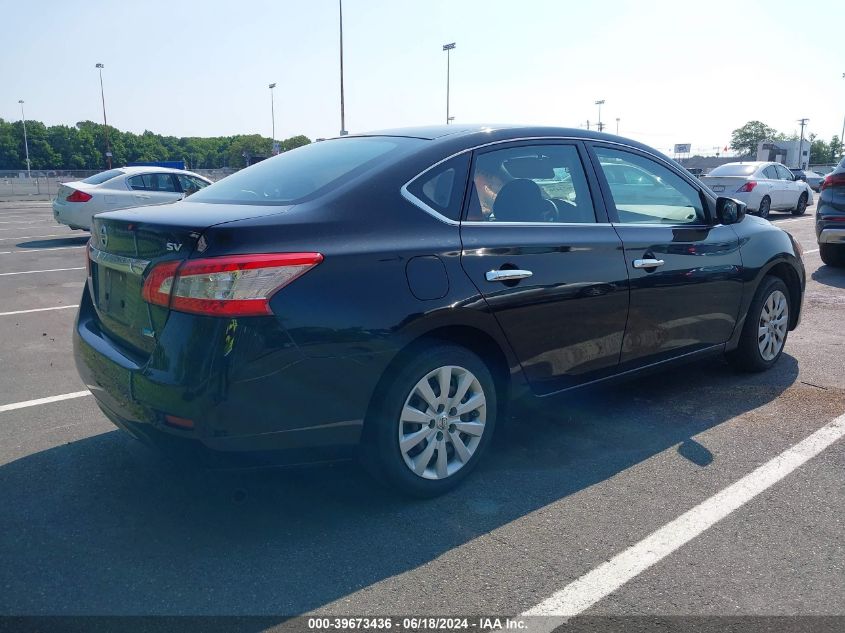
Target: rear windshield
x,y
734,170
103,176
306,172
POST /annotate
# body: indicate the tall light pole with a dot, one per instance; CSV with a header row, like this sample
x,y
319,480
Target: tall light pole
x,y
273,110
802,122
25,141
599,104
617,126
343,131
842,140
448,48
105,122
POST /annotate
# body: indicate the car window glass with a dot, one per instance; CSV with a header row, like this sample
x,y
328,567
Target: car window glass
x,y
137,183
646,192
534,183
770,172
442,188
784,173
163,182
102,177
309,171
190,184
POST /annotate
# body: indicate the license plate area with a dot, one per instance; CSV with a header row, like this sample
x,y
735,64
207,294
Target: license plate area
x,y
718,188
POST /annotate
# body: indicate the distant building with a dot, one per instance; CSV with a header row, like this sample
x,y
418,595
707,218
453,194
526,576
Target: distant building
x,y
790,153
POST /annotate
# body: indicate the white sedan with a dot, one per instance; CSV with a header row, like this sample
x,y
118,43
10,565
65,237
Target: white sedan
x,y
77,202
762,186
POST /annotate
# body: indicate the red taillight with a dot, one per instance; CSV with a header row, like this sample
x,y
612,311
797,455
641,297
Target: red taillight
x,y
78,196
232,285
749,186
833,180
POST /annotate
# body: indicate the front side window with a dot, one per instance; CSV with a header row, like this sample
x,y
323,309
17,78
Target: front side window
x,y
646,192
534,183
190,184
784,173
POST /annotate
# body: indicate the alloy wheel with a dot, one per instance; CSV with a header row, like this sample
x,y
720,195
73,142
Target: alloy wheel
x,y
772,326
442,422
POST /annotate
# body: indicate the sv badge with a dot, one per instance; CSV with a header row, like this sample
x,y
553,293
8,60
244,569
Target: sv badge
x,y
174,246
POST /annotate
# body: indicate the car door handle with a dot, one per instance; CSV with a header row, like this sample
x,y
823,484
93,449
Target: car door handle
x,y
141,196
648,263
507,275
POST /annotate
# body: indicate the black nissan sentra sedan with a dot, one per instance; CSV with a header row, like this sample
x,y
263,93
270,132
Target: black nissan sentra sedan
x,y
388,294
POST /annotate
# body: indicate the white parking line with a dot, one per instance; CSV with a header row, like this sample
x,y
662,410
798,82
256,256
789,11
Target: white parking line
x,y
29,237
815,250
584,592
39,250
48,400
48,270
28,221
37,310
27,228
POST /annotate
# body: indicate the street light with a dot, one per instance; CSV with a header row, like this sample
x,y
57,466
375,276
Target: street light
x,y
617,126
105,122
25,141
448,48
273,110
343,131
599,104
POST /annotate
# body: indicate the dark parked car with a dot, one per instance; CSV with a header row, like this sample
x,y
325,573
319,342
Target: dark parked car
x,y
388,294
813,179
830,217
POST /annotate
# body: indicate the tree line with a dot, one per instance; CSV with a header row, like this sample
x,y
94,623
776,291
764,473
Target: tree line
x,y
83,146
744,141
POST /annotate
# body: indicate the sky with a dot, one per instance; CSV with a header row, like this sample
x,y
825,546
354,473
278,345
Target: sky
x,y
672,72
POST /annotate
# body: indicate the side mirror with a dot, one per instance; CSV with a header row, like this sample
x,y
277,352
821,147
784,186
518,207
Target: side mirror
x,y
799,177
729,211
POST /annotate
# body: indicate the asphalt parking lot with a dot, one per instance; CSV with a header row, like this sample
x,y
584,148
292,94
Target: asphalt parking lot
x,y
92,522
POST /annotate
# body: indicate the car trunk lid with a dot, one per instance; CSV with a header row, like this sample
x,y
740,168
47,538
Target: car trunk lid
x,y
724,184
126,245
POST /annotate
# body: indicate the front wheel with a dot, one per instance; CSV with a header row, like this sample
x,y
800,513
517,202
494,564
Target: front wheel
x,y
766,327
802,205
433,421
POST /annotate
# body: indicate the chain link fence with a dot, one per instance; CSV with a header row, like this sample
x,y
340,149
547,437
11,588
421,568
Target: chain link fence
x,y
16,185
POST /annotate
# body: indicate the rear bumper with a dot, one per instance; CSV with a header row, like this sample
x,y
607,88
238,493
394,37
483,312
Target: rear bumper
x,y
266,403
72,214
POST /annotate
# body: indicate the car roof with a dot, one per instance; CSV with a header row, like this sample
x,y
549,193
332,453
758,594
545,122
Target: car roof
x,y
134,169
471,135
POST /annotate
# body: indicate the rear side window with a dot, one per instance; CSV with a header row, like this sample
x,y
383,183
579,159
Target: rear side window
x,y
770,172
307,172
442,188
530,184
152,182
98,179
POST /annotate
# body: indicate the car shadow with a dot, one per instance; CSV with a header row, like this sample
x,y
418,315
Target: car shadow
x,y
71,240
829,276
104,526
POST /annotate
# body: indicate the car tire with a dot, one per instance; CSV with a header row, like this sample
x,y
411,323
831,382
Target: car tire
x,y
765,207
766,327
428,462
832,254
802,204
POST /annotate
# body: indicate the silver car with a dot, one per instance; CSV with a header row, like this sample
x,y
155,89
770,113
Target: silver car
x,y
763,186
77,202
